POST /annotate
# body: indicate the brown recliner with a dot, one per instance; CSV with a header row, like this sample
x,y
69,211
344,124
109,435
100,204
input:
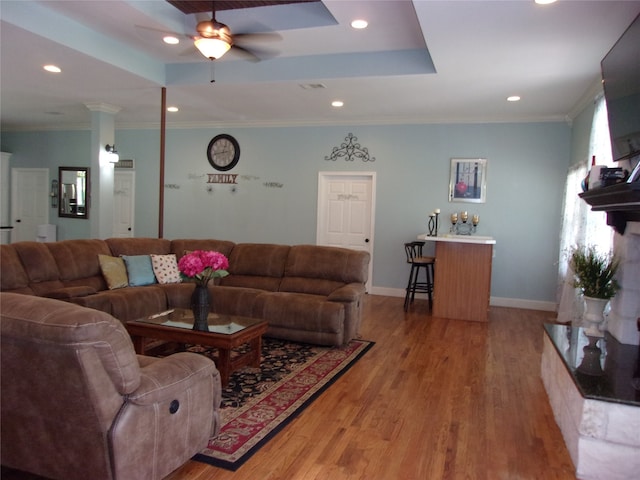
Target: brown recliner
x,y
78,403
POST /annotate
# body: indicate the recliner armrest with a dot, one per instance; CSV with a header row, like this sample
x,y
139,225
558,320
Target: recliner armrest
x,y
166,378
348,293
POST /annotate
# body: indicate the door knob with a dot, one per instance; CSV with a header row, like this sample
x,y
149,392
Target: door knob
x,y
18,221
366,240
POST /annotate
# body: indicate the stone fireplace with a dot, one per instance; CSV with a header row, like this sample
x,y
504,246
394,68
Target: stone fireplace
x,y
625,306
599,413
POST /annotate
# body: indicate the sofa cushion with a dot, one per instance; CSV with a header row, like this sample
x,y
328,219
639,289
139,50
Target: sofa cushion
x,y
320,270
300,312
133,303
13,278
114,271
40,266
165,268
78,263
256,265
67,293
138,246
139,270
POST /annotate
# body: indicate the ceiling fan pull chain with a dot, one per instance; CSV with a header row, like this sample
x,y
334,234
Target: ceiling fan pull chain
x,y
213,71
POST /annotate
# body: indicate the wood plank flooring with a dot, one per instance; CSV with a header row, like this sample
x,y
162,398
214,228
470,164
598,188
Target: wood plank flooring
x,y
433,399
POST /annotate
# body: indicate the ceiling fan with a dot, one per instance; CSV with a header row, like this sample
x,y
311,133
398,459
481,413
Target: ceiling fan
x,y
214,39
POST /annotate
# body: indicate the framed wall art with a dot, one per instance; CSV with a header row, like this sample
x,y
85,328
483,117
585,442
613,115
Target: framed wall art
x,y
468,180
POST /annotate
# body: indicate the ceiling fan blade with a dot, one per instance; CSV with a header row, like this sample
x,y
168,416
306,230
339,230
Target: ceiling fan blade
x,y
165,32
244,53
257,37
253,54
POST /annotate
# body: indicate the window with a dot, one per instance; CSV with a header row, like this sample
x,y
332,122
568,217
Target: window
x,y
581,226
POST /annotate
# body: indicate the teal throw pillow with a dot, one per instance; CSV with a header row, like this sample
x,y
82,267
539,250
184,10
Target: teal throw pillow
x,y
139,270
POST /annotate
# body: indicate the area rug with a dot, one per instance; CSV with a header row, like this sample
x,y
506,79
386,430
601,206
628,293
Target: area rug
x,y
258,402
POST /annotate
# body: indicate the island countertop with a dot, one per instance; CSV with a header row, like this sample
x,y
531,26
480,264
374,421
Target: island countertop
x,y
449,237
462,283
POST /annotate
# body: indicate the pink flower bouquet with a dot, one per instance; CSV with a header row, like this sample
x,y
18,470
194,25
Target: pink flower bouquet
x,y
203,265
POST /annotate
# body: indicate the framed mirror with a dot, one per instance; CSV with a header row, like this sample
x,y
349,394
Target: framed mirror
x,y
73,193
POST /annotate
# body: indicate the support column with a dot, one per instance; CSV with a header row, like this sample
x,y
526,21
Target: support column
x,y
101,201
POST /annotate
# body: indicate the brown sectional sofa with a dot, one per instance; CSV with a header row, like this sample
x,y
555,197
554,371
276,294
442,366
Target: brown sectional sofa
x,y
307,293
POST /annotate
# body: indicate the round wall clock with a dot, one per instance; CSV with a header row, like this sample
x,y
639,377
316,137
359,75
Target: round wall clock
x,y
223,152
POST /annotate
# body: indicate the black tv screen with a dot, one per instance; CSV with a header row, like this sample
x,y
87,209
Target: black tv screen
x,y
621,75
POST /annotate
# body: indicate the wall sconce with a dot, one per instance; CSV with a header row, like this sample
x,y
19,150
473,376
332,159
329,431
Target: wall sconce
x,y
54,194
113,153
464,228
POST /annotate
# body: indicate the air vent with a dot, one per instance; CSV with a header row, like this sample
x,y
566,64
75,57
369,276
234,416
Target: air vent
x,y
312,86
124,164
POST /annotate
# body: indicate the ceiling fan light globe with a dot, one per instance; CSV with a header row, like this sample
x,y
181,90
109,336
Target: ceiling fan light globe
x,y
212,48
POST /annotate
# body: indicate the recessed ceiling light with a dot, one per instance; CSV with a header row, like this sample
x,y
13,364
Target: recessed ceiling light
x,y
337,103
545,2
359,24
172,109
52,68
513,98
171,40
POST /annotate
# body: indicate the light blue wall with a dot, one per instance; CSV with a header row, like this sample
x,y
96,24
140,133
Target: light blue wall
x,y
52,149
527,165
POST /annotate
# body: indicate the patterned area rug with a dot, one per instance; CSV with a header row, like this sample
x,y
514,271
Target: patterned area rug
x,y
258,402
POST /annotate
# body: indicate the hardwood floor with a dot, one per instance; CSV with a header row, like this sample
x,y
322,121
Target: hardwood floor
x,y
433,399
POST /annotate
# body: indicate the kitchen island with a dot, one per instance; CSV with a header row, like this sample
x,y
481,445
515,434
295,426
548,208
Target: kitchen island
x,y
462,283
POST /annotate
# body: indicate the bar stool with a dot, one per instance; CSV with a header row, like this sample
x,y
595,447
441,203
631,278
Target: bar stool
x,y
417,261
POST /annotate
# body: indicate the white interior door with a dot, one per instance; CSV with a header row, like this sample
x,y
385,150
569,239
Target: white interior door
x,y
346,211
124,183
29,202
5,188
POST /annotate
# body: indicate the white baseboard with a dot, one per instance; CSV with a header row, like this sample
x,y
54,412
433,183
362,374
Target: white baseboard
x,y
522,303
493,301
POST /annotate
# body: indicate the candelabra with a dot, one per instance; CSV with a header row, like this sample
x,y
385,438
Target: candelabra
x,y
433,223
460,224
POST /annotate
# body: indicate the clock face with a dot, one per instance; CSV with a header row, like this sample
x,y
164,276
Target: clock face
x,y
223,152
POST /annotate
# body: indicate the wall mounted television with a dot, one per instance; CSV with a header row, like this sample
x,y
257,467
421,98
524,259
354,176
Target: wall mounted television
x,y
621,77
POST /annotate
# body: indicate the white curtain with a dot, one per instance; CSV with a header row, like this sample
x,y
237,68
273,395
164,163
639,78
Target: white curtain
x,y
581,226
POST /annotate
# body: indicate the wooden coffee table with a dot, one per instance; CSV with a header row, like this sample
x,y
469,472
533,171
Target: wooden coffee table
x,y
225,333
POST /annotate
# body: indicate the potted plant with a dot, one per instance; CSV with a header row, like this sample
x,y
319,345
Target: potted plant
x,y
594,274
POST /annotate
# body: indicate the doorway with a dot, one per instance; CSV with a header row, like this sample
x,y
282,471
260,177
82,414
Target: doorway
x,y
29,202
124,183
346,212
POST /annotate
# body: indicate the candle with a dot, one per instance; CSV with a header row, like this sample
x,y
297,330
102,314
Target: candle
x,y
436,211
475,219
464,216
454,218
432,214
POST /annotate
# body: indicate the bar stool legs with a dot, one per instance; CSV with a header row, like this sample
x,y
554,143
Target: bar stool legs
x,y
413,251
